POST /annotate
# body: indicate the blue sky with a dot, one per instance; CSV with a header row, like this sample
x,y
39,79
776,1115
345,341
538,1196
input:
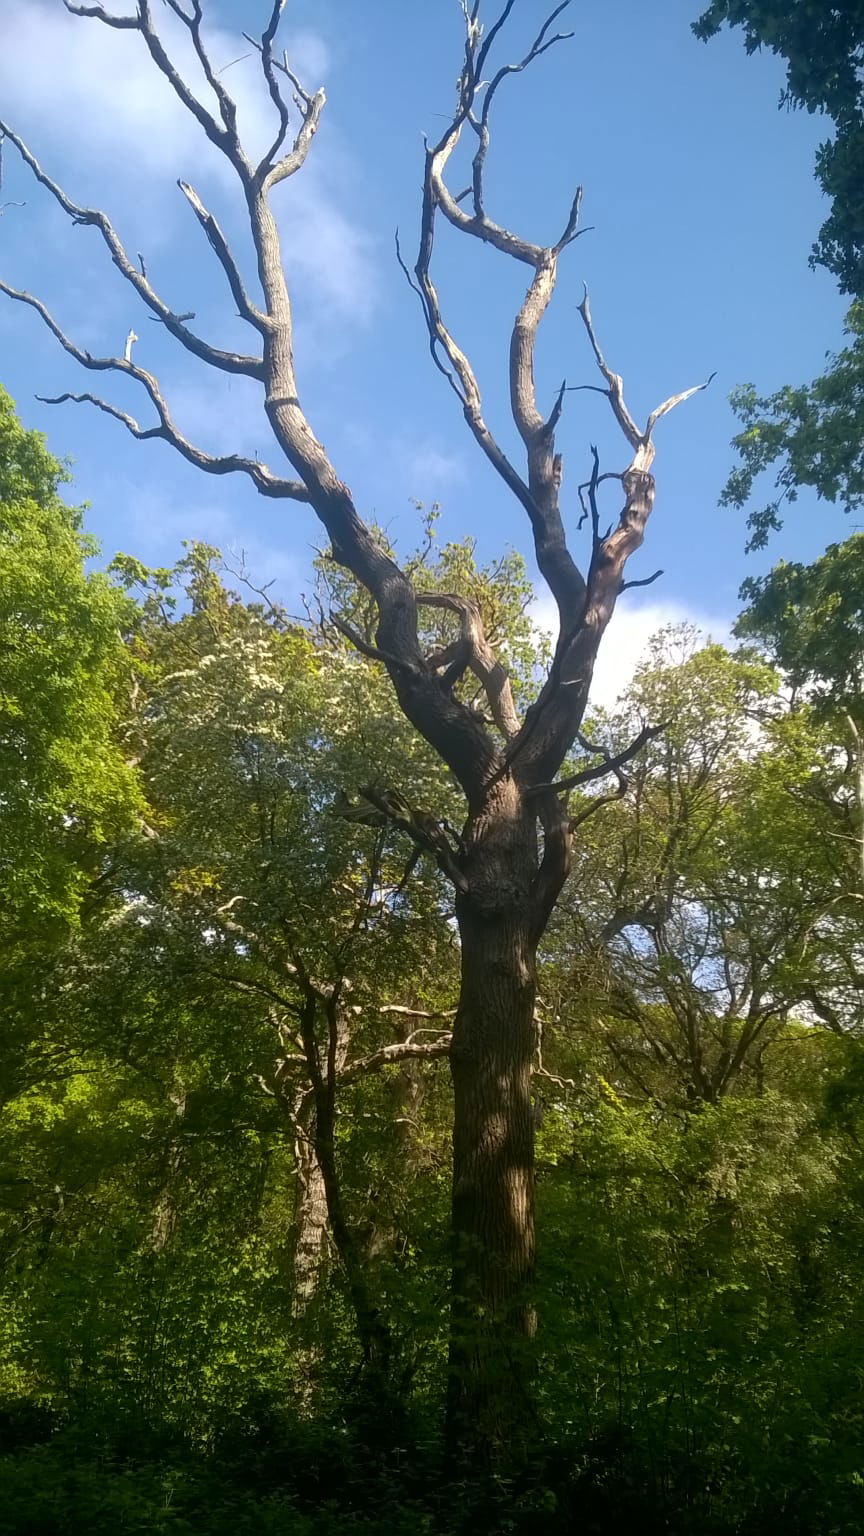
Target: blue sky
x,y
703,204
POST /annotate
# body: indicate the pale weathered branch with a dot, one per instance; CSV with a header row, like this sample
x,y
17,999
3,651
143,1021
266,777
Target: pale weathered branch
x,y
551,724
227,104
99,13
481,657
228,362
310,106
246,309
538,493
615,390
640,440
391,1055
263,478
224,134
272,83
416,1013
670,404
292,162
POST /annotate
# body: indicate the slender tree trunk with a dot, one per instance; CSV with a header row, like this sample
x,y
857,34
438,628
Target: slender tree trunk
x,y
165,1214
311,1245
372,1329
493,1323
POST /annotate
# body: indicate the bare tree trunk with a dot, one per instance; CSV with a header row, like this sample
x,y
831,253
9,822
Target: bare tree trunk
x,y
165,1214
492,1320
311,1245
372,1329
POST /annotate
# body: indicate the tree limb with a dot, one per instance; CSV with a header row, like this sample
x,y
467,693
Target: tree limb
x,y
539,493
219,244
228,362
390,1055
263,478
481,657
609,764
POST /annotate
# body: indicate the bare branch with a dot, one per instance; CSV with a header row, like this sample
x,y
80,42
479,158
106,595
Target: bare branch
x,y
224,134
228,362
227,104
598,803
609,764
640,441
615,391
98,13
416,1013
539,494
263,478
563,698
425,831
269,174
302,143
371,652
391,1055
644,581
266,482
481,657
273,84
214,234
670,404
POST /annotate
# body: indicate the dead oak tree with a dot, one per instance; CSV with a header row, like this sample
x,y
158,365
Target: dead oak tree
x,y
511,858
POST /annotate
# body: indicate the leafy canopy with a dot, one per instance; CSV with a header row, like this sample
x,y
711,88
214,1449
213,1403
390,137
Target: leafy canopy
x,y
65,787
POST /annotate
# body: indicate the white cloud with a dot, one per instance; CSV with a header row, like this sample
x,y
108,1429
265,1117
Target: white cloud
x,y
222,414
155,527
429,468
155,524
626,640
77,85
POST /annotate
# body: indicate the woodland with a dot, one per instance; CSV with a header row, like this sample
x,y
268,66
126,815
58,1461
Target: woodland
x,y
431,1101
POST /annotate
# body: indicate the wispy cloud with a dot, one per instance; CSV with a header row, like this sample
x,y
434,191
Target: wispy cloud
x,y
155,527
74,85
430,469
626,640
221,414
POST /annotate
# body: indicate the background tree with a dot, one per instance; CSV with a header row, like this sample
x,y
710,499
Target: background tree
x,y
67,792
176,1316
822,48
811,435
65,789
510,859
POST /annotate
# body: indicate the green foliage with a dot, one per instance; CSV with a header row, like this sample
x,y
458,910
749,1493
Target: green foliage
x,y
822,46
171,1357
810,436
811,619
701,1314
66,791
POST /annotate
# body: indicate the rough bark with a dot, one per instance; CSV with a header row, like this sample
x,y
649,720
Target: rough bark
x,y
492,1313
310,1247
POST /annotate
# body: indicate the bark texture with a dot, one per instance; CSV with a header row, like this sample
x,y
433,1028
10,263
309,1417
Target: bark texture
x,y
493,1169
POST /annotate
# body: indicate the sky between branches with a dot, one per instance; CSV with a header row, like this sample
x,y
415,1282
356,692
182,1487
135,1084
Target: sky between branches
x,y
703,205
